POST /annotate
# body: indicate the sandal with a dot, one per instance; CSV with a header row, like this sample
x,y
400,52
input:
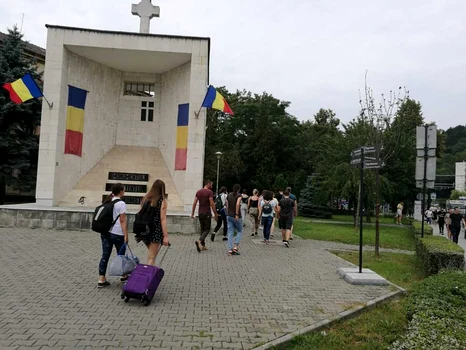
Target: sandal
x,y
235,251
230,252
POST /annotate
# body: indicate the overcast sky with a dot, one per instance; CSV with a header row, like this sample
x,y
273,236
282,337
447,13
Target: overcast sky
x,y
313,53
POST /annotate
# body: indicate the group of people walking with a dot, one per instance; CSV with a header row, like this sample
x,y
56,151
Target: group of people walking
x,y
451,220
231,210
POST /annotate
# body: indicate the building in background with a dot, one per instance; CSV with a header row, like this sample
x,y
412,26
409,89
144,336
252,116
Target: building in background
x,y
460,176
31,51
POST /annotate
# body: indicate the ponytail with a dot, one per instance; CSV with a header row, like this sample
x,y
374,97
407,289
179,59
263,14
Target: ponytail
x,y
116,190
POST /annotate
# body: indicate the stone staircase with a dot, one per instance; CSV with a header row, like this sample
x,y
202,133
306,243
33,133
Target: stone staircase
x,y
135,167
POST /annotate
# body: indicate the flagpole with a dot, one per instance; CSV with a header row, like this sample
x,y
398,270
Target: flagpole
x,y
50,104
199,111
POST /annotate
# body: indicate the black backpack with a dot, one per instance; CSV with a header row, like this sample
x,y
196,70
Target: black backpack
x,y
143,218
102,221
219,203
267,208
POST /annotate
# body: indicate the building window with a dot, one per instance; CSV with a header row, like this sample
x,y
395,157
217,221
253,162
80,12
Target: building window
x,y
147,111
139,89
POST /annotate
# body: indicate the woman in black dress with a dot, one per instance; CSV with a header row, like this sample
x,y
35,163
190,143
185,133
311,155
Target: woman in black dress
x,y
156,232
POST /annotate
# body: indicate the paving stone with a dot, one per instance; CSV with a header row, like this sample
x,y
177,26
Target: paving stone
x,y
51,299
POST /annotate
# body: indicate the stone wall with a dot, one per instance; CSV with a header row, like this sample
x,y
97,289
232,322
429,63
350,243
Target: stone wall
x,y
100,124
175,91
80,220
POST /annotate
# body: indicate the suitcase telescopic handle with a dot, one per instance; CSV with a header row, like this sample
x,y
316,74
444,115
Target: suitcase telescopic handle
x,y
164,254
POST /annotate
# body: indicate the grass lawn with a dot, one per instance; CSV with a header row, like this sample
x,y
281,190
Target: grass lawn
x,y
390,237
378,328
349,218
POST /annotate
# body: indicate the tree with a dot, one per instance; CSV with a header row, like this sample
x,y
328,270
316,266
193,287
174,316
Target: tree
x,y
379,116
18,142
260,142
455,194
308,206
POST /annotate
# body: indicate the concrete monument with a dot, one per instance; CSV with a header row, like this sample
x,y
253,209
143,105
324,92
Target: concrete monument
x,y
139,123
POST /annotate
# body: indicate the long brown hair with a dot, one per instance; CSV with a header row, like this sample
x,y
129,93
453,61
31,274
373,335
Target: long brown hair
x,y
156,193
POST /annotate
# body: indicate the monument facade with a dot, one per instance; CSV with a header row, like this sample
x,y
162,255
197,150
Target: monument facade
x,y
138,123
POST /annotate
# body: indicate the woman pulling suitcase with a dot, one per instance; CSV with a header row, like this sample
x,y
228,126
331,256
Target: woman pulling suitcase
x,y
156,233
145,279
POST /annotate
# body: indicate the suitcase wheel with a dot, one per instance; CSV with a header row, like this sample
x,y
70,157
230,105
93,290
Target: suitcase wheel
x,y
145,301
122,296
126,300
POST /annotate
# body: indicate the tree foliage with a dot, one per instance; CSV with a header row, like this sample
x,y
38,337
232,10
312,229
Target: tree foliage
x,y
264,147
18,142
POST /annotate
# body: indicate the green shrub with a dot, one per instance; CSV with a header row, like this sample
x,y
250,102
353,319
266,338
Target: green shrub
x,y
439,253
315,211
417,228
436,311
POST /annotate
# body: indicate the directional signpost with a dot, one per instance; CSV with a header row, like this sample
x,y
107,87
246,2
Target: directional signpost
x,y
426,162
366,158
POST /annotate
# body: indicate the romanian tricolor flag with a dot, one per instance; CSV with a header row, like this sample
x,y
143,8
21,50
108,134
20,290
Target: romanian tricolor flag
x,y
23,89
182,137
214,100
75,121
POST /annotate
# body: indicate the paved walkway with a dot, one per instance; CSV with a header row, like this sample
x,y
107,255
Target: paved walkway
x,y
210,300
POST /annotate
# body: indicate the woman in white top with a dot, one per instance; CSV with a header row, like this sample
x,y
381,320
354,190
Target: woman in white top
x,y
272,228
118,234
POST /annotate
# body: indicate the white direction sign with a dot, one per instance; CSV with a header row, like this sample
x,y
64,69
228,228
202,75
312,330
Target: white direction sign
x,y
431,137
431,169
430,184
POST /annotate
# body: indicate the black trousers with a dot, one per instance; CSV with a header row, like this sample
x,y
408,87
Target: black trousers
x,y
206,223
222,220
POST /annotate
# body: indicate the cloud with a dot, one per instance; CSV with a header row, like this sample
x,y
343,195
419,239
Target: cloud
x,y
313,53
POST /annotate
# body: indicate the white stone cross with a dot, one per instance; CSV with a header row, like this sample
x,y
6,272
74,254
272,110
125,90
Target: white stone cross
x,y
146,11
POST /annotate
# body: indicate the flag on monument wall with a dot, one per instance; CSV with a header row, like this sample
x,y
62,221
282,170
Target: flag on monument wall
x,y
214,100
23,89
181,156
75,120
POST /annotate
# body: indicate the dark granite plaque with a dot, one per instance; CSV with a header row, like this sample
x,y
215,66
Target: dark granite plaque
x,y
127,199
128,177
129,188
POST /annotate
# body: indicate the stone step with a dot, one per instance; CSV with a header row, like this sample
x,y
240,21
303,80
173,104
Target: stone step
x,y
123,159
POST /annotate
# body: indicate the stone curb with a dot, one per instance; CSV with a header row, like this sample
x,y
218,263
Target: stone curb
x,y
340,317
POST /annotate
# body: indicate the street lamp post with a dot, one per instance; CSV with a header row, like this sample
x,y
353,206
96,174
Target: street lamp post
x,y
219,155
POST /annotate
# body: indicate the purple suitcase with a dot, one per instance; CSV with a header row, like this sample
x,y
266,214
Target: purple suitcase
x,y
143,283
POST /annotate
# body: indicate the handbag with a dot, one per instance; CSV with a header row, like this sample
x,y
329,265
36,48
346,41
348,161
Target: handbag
x,y
123,264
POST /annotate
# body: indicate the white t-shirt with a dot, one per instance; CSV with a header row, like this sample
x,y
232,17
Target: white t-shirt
x,y
118,209
224,196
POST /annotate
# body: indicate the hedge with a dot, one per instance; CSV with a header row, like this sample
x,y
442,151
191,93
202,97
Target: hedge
x,y
436,314
437,252
417,228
